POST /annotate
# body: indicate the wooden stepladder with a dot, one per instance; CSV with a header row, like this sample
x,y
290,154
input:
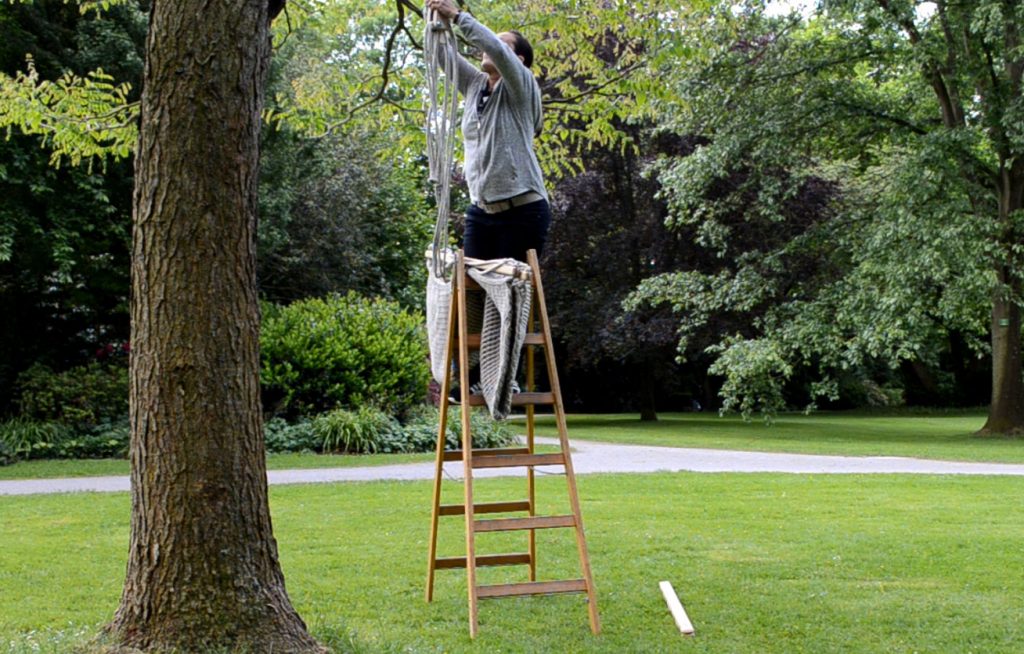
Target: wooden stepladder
x,y
476,459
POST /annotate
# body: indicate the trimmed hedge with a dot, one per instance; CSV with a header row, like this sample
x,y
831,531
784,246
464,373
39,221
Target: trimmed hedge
x,y
342,352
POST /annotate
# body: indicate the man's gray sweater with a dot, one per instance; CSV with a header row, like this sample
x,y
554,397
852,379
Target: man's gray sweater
x,y
499,160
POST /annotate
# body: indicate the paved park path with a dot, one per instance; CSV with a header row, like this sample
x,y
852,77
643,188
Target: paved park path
x,y
588,457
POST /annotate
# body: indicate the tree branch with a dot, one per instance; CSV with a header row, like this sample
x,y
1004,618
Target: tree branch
x,y
861,110
952,116
595,90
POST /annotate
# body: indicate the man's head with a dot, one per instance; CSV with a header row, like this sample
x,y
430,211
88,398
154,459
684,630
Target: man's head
x,y
522,48
515,42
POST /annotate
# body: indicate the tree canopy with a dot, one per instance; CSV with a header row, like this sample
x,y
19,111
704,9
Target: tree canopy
x,y
912,116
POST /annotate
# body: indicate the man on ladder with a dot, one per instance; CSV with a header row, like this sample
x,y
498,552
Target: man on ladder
x,y
508,218
509,214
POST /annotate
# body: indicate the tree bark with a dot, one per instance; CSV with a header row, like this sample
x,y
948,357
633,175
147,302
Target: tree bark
x,y
203,571
1006,412
646,392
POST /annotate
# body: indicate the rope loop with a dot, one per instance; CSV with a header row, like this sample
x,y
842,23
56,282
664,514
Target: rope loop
x,y
441,54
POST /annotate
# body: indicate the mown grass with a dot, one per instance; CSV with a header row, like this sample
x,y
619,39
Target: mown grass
x,y
948,436
763,563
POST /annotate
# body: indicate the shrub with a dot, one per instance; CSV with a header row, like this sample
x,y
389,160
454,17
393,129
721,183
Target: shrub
x,y
33,439
25,438
83,396
342,352
283,437
7,456
105,441
420,433
352,432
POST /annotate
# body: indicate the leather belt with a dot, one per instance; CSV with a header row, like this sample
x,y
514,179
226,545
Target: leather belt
x,y
505,205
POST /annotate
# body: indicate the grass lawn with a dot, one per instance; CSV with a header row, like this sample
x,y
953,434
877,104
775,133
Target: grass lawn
x,y
763,563
931,436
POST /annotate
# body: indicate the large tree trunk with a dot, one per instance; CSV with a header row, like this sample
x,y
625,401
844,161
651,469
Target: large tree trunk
x,y
203,570
1006,412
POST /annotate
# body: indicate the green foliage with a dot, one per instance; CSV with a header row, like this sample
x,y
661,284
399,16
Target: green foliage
x,y
754,372
26,438
898,262
353,432
7,455
370,430
360,62
82,396
343,352
64,233
280,436
84,5
420,433
337,216
104,441
78,117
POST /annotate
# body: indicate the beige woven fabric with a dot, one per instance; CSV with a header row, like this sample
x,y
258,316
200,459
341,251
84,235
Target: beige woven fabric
x,y
439,302
506,312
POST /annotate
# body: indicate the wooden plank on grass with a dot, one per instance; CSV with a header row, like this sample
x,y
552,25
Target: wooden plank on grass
x,y
676,608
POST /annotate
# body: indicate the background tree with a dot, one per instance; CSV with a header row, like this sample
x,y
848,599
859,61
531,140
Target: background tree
x,y
203,571
336,216
608,234
910,245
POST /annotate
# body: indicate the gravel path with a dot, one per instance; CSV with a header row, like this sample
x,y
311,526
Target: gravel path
x,y
588,458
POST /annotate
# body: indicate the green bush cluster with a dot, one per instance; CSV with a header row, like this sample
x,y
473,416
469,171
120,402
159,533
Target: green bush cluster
x,y
280,436
370,430
342,352
7,455
83,396
79,413
349,432
25,438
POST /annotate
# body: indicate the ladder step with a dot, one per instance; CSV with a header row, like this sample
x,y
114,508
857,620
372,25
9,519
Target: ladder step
x,y
516,524
513,460
483,560
532,588
456,455
518,399
488,507
532,338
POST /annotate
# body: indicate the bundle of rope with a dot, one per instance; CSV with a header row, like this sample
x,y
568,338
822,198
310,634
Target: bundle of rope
x,y
441,53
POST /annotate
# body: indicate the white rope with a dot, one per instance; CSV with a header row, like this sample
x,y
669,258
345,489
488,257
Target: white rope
x,y
441,53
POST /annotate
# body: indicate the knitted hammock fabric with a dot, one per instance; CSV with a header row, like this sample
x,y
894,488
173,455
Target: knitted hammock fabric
x,y
504,320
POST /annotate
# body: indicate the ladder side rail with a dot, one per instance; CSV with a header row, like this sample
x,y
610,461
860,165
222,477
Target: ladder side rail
x,y
530,479
563,435
467,440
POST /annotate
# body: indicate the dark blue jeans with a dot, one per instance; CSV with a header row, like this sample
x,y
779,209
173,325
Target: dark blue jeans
x,y
507,234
